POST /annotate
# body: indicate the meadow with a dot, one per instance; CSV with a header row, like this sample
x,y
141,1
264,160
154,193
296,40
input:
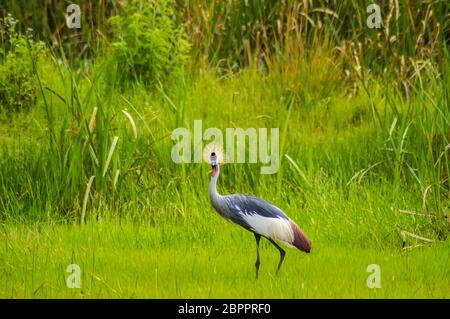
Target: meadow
x,y
87,177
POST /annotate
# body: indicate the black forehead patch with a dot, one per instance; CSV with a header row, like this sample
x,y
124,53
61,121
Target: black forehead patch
x,y
213,154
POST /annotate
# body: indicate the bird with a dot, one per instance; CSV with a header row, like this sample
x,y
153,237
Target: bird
x,y
258,216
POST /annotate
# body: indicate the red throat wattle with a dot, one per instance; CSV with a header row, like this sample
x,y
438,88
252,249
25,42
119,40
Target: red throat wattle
x,y
214,171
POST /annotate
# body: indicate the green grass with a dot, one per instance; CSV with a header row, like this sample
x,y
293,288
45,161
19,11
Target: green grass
x,y
86,174
207,260
152,232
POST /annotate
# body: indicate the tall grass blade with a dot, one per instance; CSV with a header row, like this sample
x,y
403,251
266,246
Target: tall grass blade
x,y
110,154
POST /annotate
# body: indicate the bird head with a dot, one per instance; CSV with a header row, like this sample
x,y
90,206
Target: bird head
x,y
214,164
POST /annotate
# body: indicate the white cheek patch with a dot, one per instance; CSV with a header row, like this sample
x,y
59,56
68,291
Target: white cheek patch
x,y
274,228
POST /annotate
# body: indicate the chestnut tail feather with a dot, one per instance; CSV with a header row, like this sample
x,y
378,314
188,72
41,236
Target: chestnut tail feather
x,y
301,241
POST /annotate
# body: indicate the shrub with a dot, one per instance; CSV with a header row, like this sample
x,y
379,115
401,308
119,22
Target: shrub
x,y
17,91
18,86
147,44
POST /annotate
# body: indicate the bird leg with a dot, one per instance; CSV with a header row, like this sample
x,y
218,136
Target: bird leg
x,y
282,253
257,237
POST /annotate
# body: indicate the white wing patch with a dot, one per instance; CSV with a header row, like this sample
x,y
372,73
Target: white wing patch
x,y
274,228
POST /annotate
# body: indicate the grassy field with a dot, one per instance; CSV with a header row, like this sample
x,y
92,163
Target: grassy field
x,y
87,178
204,260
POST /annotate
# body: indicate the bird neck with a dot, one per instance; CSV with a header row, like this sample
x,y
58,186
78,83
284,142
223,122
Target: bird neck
x,y
213,194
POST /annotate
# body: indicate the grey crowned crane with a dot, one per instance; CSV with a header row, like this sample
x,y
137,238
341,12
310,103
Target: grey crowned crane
x,y
257,216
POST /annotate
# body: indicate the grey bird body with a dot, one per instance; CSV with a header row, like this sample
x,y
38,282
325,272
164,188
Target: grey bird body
x,y
234,207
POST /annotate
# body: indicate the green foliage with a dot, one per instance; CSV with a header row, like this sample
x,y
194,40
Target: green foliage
x,y
48,20
203,259
18,87
365,155
81,159
234,32
147,44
